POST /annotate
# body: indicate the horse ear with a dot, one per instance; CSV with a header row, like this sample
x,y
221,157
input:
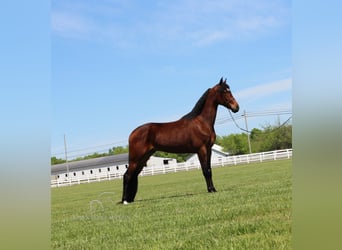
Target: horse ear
x,y
221,81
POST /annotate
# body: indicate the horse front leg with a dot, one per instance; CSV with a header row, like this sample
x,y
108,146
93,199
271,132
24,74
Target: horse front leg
x,y
204,157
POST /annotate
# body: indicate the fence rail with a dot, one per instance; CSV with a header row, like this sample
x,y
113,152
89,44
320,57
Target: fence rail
x,y
184,166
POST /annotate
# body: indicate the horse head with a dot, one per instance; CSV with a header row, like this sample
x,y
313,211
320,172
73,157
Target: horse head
x,y
225,96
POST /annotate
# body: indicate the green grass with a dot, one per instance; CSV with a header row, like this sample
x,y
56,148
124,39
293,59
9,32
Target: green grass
x,y
251,210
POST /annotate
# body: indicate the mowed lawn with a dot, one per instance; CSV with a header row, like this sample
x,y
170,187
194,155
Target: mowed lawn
x,y
251,210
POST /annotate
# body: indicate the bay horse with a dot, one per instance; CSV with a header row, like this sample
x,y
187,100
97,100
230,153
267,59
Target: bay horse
x,y
193,133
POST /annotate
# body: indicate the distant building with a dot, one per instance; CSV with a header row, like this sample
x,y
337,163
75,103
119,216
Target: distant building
x,y
97,167
217,155
115,166
160,161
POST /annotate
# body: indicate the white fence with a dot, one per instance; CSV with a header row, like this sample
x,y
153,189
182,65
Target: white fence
x,y
184,166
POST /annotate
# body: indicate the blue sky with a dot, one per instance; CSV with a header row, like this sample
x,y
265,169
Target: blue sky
x,y
118,64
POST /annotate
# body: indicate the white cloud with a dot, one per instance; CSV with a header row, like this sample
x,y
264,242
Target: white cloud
x,y
263,90
203,23
208,37
69,24
200,23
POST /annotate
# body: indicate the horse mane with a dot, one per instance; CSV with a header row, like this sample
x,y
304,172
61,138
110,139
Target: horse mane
x,y
198,107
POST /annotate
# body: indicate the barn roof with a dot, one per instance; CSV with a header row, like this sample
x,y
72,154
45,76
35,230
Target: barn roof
x,y
100,162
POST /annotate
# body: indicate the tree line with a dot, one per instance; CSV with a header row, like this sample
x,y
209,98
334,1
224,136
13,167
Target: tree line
x,y
266,139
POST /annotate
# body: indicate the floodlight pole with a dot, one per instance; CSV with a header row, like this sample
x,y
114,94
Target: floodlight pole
x,y
249,141
66,155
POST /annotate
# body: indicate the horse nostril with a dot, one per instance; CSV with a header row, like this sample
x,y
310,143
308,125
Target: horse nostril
x,y
236,108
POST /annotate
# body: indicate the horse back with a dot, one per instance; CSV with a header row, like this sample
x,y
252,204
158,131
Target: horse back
x,y
182,136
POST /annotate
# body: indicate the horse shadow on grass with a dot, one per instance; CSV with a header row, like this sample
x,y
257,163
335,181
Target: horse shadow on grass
x,y
178,196
171,196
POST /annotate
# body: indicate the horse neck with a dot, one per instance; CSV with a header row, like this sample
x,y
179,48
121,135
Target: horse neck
x,y
209,110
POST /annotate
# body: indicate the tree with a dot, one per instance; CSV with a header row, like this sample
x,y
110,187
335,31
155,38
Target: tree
x,y
268,139
118,150
55,160
281,138
235,144
271,138
178,157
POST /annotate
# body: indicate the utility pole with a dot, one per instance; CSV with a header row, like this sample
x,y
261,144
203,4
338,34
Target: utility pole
x,y
278,120
249,141
66,155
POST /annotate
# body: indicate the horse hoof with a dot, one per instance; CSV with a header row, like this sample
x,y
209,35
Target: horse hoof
x,y
125,202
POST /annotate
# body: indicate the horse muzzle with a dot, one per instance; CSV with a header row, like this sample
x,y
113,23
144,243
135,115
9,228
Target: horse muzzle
x,y
235,108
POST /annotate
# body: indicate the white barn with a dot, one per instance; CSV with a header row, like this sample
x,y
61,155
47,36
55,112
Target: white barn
x,y
217,155
160,161
113,166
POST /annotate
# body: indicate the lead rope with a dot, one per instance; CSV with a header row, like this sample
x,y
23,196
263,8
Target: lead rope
x,y
237,125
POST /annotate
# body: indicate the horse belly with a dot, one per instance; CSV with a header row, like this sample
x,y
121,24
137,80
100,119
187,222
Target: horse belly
x,y
175,140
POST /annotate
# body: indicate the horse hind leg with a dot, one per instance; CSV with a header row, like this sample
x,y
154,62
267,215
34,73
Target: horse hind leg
x,y
138,153
125,188
130,184
132,189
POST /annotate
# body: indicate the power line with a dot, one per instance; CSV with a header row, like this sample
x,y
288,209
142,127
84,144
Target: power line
x,y
89,148
221,121
246,130
74,153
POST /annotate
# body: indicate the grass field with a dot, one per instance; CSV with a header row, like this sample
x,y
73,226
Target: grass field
x,y
251,210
